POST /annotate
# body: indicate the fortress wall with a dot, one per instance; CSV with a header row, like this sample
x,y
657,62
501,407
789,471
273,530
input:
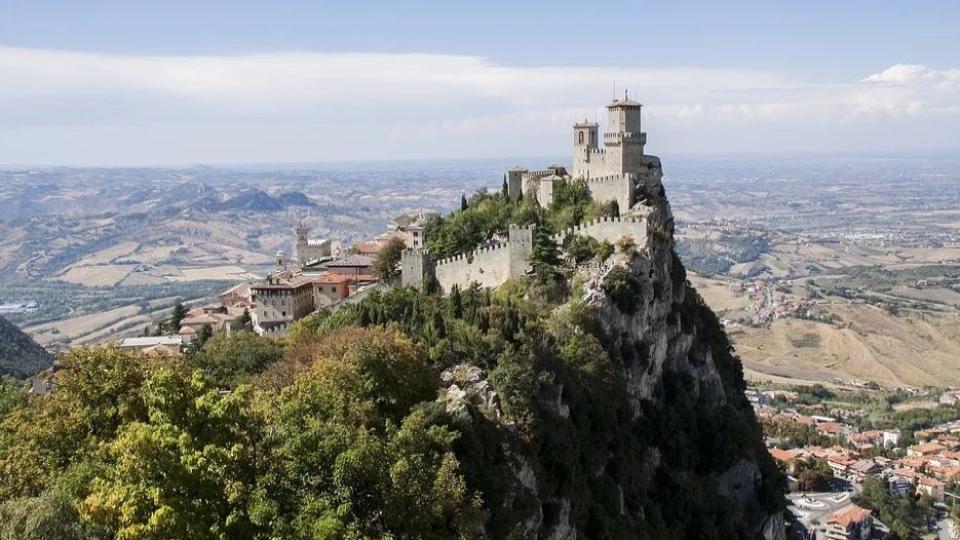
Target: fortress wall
x,y
488,266
611,230
612,188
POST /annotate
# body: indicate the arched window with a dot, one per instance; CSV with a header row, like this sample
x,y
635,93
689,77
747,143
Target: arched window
x,y
580,138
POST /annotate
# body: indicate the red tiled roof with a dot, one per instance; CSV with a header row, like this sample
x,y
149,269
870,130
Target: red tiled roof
x,y
781,455
849,516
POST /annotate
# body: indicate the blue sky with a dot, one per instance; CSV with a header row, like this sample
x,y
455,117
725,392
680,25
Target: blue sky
x,y
111,82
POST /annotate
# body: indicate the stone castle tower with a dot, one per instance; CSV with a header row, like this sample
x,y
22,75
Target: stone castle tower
x,y
622,143
311,250
611,171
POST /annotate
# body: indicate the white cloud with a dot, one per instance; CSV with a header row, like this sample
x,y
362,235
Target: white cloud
x,y
68,107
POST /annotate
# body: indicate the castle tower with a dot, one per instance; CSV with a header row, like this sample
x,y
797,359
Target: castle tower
x,y
585,149
415,266
303,241
624,139
515,182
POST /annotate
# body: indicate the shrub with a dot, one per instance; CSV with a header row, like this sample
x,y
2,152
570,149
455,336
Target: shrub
x,y
623,288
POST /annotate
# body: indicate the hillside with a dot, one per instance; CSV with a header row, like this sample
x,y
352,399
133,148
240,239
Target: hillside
x,y
20,356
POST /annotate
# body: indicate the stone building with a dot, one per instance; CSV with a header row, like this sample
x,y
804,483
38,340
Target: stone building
x,y
280,300
612,173
311,250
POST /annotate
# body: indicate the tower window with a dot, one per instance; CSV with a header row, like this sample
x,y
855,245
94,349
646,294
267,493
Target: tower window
x,y
580,138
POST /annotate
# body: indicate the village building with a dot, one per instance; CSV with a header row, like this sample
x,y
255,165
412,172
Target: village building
x,y
925,449
931,487
850,523
171,346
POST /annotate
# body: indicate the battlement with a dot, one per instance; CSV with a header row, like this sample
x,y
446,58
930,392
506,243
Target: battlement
x,y
610,229
473,255
607,179
538,174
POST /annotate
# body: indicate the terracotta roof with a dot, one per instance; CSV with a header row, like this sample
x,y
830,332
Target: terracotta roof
x,y
849,516
781,455
187,330
331,278
927,481
928,448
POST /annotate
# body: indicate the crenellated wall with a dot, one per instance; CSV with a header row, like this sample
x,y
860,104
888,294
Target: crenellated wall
x,y
618,188
489,266
610,229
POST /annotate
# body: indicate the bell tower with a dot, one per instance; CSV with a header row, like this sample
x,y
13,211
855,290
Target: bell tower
x,y
585,144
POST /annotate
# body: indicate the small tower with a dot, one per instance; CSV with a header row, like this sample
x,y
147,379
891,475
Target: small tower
x,y
515,182
303,234
585,135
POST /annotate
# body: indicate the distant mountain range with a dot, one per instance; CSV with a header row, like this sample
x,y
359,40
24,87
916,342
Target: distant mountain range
x,y
254,200
20,356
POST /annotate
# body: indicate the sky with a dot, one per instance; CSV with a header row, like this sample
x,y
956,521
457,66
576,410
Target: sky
x,y
184,82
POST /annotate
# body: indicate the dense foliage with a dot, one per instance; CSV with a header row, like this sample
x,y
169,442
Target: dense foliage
x,y
486,215
906,516
386,265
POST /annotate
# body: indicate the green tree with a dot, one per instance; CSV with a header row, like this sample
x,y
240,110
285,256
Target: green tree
x,y
243,322
176,317
623,287
386,265
813,474
187,472
229,358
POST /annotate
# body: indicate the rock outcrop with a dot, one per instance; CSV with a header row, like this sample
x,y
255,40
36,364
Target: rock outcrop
x,y
686,459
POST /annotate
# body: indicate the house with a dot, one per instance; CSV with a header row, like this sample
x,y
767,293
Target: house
x,y
280,300
898,484
925,449
864,468
891,437
930,487
330,288
238,294
850,523
356,266
167,346
784,458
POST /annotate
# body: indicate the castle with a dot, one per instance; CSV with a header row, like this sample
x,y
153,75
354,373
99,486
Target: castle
x,y
311,250
619,172
611,173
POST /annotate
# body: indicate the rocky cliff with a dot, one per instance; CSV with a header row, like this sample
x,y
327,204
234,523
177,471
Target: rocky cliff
x,y
668,448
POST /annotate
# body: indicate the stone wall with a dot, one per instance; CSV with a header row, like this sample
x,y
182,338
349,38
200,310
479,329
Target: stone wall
x,y
611,230
489,266
618,188
414,265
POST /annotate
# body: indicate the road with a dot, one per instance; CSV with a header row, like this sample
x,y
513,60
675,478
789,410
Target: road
x,y
809,507
946,530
